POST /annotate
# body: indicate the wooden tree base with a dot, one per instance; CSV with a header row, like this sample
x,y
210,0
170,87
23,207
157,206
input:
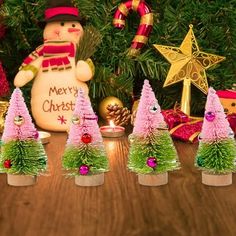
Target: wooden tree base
x,y
216,180
153,180
21,180
90,180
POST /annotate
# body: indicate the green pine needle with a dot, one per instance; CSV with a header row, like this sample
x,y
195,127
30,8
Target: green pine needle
x,y
27,157
94,157
218,157
158,145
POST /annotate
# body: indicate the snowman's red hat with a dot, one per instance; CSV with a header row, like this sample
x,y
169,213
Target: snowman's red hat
x,y
61,10
50,13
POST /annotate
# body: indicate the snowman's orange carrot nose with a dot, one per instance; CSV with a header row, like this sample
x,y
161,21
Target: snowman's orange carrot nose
x,y
71,30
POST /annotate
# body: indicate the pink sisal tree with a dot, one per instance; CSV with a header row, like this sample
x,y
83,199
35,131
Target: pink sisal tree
x,y
146,121
83,121
84,153
152,152
217,150
18,122
215,126
22,150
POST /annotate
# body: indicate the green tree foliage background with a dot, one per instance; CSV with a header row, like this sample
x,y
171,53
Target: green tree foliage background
x,y
118,75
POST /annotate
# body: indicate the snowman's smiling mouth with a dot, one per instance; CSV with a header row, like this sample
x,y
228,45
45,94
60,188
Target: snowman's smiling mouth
x,y
73,30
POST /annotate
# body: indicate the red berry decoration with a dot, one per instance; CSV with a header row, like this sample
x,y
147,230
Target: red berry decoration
x,y
152,162
86,138
7,164
84,169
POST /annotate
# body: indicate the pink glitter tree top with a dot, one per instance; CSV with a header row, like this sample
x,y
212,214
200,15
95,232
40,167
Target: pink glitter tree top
x,y
215,125
84,122
149,116
18,123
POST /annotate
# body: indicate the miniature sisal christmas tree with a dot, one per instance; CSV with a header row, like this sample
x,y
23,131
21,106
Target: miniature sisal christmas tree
x,y
152,150
85,153
22,150
217,150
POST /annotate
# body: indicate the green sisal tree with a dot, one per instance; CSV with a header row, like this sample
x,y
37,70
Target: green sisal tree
x,y
22,154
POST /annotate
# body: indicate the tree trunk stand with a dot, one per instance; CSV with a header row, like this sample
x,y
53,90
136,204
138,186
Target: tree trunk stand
x,y
90,180
153,180
21,180
216,180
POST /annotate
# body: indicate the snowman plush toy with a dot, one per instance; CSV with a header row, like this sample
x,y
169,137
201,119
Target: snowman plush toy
x,y
57,75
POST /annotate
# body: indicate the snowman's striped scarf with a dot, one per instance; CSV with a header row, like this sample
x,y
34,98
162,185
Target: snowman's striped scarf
x,y
55,55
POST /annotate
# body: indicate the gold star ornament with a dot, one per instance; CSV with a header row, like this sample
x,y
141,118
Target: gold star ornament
x,y
188,64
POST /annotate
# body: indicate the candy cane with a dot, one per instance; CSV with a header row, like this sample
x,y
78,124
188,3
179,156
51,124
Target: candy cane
x,y
145,26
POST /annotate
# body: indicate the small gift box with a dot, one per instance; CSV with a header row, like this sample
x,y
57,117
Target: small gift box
x,y
174,117
232,121
187,132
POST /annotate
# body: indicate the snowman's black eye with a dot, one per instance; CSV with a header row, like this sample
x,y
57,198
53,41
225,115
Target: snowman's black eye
x,y
73,25
62,23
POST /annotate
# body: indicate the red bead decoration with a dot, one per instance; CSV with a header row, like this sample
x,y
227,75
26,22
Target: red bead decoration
x,y
7,164
86,138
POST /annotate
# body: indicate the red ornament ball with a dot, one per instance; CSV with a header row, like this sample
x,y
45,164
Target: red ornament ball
x,y
7,164
152,162
84,170
86,138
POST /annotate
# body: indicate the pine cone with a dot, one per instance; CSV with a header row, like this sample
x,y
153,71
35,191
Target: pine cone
x,y
120,115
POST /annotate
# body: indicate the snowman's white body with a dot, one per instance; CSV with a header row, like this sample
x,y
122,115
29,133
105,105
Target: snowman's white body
x,y
53,97
54,92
